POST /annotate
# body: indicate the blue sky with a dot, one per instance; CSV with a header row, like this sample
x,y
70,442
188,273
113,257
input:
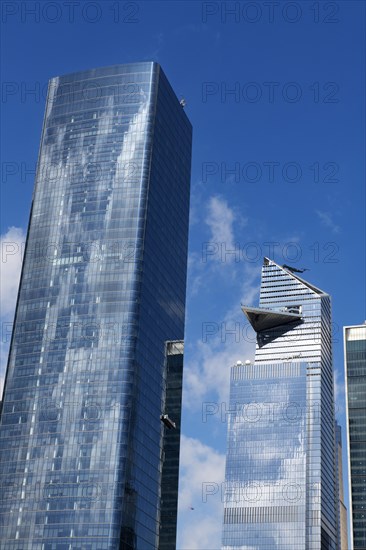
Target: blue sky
x,y
275,94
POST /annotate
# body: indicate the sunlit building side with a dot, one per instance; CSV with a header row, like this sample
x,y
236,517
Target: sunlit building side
x,y
102,291
280,482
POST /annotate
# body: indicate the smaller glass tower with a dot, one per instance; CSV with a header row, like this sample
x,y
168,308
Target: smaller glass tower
x,y
171,446
280,481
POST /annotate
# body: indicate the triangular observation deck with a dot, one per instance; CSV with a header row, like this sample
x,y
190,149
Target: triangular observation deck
x,y
264,319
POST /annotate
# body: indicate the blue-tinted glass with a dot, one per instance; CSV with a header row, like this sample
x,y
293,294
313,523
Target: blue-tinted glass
x,y
355,356
102,290
280,483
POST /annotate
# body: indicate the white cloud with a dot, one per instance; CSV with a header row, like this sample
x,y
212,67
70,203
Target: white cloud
x,y
327,220
208,374
248,293
202,473
220,220
220,255
223,342
12,247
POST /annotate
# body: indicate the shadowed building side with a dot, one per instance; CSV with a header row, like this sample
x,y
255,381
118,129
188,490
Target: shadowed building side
x,y
171,446
355,378
342,512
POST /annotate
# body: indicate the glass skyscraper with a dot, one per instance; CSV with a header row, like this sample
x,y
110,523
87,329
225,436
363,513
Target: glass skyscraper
x,y
355,377
280,481
102,294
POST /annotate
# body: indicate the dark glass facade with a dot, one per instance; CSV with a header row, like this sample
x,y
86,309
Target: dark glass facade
x,y
280,481
342,510
355,376
102,290
171,446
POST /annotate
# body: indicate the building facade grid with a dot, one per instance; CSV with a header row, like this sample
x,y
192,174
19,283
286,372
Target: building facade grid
x,y
102,290
355,378
280,480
